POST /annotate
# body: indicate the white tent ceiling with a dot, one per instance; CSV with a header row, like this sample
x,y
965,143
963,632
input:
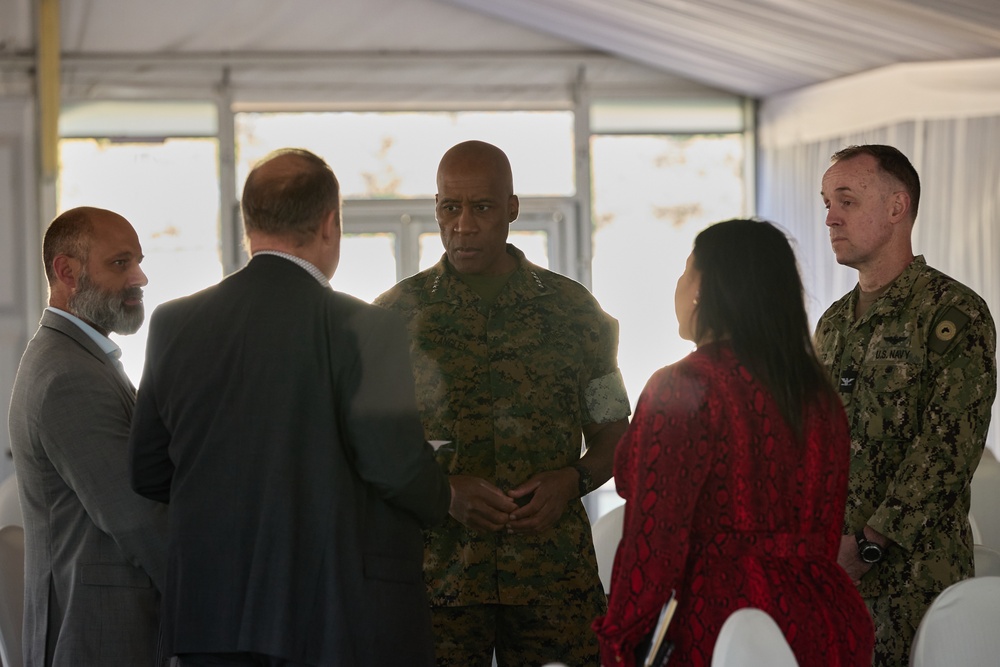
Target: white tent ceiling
x,y
751,47
762,47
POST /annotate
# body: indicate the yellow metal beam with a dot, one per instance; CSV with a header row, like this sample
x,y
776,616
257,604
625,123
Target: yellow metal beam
x,y
48,81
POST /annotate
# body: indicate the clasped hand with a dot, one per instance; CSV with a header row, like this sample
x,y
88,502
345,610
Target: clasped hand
x,y
481,506
849,559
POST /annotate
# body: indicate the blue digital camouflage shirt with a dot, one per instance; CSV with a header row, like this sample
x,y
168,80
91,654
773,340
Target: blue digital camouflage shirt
x,y
510,390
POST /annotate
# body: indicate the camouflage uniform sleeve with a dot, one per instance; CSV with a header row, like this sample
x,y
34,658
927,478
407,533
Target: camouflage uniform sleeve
x,y
605,398
955,409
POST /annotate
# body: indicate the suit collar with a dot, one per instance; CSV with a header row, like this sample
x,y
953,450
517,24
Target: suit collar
x,y
311,268
107,345
57,322
275,264
53,320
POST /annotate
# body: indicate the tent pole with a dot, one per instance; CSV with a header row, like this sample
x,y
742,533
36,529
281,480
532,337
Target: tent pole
x,y
48,87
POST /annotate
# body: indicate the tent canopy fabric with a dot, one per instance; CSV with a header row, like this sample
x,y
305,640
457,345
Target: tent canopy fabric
x,y
755,48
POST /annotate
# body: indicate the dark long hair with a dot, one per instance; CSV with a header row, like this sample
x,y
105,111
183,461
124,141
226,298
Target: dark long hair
x,y
751,293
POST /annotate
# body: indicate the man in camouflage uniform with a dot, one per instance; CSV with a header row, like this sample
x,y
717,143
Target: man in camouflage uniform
x,y
913,353
513,363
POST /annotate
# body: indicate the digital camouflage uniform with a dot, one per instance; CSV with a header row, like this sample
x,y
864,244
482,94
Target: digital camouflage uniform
x,y
917,375
510,389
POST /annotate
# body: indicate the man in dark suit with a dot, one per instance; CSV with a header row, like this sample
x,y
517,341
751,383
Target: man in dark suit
x,y
278,419
95,553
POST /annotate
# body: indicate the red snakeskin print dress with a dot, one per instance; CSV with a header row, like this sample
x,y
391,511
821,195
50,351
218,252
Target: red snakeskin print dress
x,y
726,507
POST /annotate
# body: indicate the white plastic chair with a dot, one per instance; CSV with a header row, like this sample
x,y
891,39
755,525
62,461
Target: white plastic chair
x,y
977,535
987,561
751,638
11,593
960,627
607,534
985,510
10,503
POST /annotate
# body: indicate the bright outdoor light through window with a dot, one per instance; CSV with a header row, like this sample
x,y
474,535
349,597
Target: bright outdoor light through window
x,y
169,191
395,155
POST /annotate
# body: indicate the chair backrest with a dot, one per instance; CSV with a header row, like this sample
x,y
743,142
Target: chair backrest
x,y
986,500
11,594
10,503
977,535
987,561
607,534
960,627
751,638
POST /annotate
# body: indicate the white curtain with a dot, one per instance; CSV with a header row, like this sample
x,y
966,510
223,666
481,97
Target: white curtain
x,y
958,161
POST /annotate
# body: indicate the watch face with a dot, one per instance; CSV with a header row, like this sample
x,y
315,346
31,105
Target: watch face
x,y
871,552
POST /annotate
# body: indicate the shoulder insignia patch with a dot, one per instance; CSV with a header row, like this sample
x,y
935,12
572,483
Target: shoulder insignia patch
x,y
946,329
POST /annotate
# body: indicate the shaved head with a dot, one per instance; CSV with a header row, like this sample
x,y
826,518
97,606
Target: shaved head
x,y
70,234
479,156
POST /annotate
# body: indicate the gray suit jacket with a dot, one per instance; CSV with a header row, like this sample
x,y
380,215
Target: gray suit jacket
x,y
95,552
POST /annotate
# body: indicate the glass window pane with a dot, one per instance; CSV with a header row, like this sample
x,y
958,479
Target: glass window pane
x,y
395,155
430,250
169,191
646,218
534,245
367,265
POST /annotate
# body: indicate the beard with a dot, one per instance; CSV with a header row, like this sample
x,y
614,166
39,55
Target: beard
x,y
106,309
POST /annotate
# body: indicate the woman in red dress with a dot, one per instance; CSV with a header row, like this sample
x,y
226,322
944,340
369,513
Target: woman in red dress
x,y
734,470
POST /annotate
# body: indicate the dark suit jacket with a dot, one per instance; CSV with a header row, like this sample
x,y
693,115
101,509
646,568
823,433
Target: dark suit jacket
x,y
278,419
95,552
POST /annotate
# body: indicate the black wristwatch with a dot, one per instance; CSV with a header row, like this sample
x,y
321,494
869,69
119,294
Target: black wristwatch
x,y
586,482
869,551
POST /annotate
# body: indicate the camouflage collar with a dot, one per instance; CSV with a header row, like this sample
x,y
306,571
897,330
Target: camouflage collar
x,y
894,298
527,282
